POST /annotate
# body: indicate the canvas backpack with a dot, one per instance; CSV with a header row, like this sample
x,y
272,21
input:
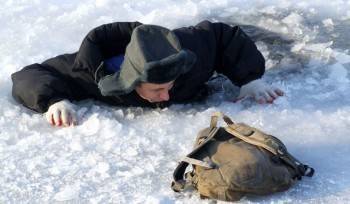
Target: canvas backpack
x,y
230,162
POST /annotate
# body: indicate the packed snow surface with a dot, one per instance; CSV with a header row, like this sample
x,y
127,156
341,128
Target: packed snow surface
x,y
127,155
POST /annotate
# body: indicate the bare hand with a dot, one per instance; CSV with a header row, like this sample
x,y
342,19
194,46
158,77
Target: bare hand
x,y
62,113
260,91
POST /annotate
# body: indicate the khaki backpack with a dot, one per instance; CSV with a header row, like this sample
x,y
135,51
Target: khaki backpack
x,y
230,162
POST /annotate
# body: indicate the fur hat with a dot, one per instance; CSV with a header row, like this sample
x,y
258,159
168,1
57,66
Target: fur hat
x,y
153,55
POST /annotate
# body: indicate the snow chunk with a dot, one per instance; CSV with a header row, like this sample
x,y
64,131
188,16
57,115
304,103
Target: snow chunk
x,y
68,192
101,3
75,145
328,23
269,10
293,19
131,152
102,167
91,126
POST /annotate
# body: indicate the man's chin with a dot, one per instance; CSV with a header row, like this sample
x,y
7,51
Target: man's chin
x,y
151,101
156,101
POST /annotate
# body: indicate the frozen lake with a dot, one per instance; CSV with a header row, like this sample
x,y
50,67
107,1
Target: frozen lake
x,y
127,155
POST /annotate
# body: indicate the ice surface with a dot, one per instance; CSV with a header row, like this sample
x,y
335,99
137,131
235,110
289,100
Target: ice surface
x,y
127,155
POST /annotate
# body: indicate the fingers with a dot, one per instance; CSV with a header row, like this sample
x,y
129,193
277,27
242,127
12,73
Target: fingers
x,y
270,95
69,118
260,98
61,113
279,92
57,118
239,99
273,94
267,97
66,118
260,91
48,117
74,119
52,121
61,118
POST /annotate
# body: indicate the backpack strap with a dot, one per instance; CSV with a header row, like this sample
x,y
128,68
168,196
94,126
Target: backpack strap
x,y
197,162
279,150
179,182
214,119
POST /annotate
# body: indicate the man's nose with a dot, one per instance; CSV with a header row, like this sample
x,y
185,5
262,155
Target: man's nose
x,y
164,95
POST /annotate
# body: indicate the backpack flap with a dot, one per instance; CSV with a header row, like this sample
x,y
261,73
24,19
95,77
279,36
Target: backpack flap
x,y
179,182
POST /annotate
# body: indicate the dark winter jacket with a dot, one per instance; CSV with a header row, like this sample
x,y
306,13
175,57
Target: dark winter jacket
x,y
218,46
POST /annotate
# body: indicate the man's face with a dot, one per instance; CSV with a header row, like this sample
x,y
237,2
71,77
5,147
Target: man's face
x,y
154,92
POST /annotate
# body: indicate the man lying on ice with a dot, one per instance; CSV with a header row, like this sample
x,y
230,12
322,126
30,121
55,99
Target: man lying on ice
x,y
130,64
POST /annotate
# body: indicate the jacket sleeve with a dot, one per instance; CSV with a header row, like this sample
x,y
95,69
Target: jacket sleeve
x,y
37,87
237,57
104,42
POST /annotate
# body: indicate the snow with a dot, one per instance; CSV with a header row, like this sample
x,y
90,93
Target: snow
x,y
127,155
68,192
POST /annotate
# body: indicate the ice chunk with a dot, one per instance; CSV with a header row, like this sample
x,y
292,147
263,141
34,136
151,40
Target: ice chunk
x,y
341,57
297,47
338,73
318,47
